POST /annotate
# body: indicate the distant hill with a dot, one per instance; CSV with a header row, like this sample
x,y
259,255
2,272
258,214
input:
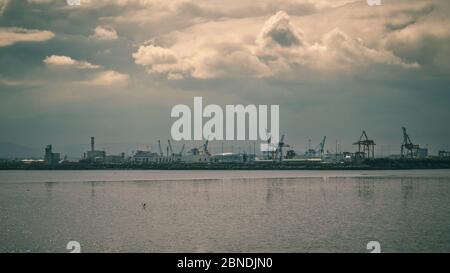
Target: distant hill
x,y
11,151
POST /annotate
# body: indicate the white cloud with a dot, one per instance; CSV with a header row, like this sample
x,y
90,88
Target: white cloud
x,y
153,55
339,50
58,60
21,82
233,62
105,33
109,78
12,35
281,45
104,78
10,82
279,31
158,60
278,47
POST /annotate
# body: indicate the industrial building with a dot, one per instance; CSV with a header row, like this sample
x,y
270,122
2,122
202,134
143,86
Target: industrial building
x,y
195,155
444,154
117,159
94,155
98,156
50,157
144,157
232,157
422,153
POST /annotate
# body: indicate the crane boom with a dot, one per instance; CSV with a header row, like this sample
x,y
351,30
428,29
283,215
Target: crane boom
x,y
406,138
279,149
322,145
170,147
182,149
364,136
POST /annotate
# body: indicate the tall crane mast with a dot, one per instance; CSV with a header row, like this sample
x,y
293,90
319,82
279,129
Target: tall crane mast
x,y
270,152
205,147
170,147
160,149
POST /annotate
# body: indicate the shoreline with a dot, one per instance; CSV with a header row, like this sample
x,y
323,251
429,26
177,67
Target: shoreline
x,y
376,164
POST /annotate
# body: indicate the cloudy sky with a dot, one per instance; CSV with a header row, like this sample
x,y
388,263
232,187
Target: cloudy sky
x,y
115,68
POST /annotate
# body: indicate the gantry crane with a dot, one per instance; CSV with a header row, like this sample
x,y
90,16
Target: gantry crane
x,y
279,149
408,149
366,147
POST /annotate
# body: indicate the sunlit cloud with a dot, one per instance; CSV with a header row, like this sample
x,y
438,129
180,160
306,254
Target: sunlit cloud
x,y
12,35
107,33
109,78
65,61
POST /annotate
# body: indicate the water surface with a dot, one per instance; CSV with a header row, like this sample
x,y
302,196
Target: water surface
x,y
225,211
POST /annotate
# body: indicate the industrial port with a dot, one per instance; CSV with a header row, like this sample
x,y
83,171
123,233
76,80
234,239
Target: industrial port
x,y
277,156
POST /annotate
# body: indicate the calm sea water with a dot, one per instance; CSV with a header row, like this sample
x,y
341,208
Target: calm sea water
x,y
225,211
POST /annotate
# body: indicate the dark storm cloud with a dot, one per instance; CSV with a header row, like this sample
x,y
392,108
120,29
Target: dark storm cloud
x,y
55,16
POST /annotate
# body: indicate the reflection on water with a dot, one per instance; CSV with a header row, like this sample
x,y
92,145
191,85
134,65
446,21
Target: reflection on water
x,y
49,186
92,190
366,188
274,188
407,188
307,213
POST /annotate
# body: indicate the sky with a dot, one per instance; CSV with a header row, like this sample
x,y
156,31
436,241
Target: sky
x,y
114,69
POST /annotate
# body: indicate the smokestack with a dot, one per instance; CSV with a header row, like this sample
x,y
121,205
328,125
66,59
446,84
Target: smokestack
x,y
92,143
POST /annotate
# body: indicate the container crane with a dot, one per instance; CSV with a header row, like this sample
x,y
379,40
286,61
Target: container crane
x,y
366,146
408,149
279,149
322,146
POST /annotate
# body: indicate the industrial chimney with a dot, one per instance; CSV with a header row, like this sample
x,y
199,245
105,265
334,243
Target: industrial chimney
x,y
92,143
